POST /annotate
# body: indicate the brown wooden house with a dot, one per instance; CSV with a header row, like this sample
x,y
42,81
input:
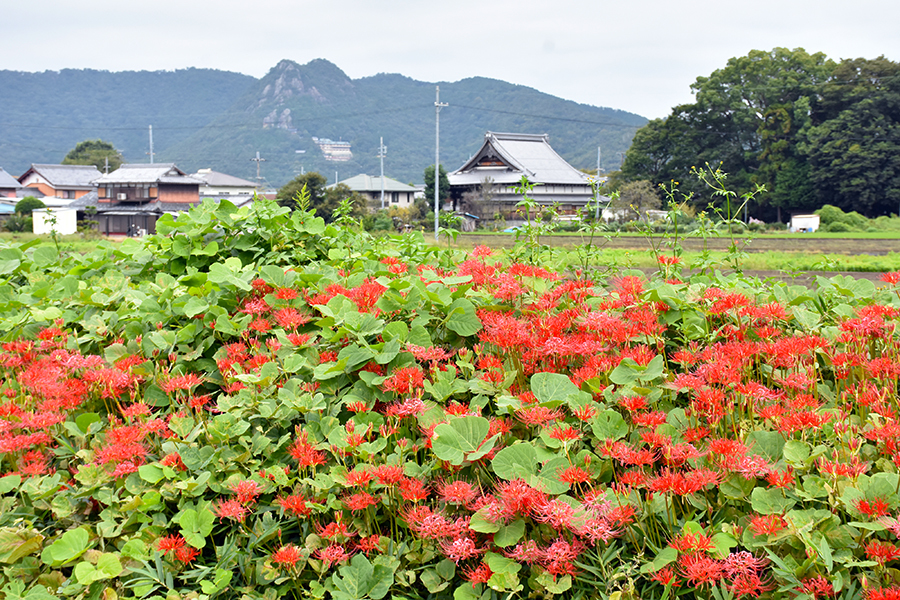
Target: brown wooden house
x,y
133,197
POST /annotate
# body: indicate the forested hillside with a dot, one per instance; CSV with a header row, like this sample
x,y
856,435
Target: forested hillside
x,y
221,123
45,114
812,130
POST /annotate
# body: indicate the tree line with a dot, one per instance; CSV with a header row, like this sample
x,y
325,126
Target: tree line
x,y
811,130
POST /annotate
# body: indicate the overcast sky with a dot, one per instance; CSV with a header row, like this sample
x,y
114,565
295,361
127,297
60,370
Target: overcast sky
x,y
635,55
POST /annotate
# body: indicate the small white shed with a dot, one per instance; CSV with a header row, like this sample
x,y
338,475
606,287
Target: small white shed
x,y
804,223
66,221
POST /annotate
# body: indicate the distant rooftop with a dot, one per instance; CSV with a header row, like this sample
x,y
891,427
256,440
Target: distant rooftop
x,y
369,183
67,176
216,179
148,173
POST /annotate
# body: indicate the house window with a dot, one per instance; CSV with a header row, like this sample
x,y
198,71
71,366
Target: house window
x,y
395,197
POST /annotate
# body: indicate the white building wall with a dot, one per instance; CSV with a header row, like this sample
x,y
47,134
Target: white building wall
x,y
66,221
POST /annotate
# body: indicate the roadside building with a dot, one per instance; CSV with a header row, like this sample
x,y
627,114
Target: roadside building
x,y
221,186
490,177
63,181
396,193
133,197
9,185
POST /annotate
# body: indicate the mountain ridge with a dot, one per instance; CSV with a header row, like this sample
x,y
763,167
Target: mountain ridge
x,y
219,120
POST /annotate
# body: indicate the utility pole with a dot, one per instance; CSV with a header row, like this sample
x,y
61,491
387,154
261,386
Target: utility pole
x,y
382,152
106,165
151,145
597,210
437,154
258,160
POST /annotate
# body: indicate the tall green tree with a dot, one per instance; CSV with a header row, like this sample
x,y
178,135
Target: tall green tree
x,y
95,152
443,184
746,119
854,149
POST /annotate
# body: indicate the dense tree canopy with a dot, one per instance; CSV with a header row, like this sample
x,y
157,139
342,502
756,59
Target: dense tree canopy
x,y
811,130
444,184
321,198
95,152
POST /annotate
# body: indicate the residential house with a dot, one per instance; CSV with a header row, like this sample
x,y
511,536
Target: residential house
x,y
8,185
221,185
395,193
132,198
63,181
486,182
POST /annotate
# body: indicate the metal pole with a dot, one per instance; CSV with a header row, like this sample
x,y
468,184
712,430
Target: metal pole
x,y
258,160
437,154
151,144
381,152
597,199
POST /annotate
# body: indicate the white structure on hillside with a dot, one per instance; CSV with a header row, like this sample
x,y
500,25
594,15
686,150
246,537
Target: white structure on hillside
x,y
498,166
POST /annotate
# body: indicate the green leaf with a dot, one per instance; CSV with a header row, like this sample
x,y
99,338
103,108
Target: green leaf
x,y
460,439
770,501
195,306
510,534
9,483
609,425
515,462
766,443
67,548
666,556
552,386
482,524
796,452
461,318
16,543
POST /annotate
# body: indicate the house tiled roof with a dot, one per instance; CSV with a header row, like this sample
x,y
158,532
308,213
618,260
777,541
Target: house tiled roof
x,y
66,176
517,154
368,183
216,179
8,182
155,173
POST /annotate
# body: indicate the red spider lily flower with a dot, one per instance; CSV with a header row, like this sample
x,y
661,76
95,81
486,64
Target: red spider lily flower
x,y
173,460
298,339
873,508
331,555
633,403
285,294
538,415
749,584
359,501
246,491
461,548
138,409
650,419
560,556
573,475
181,382
585,413
699,570
691,542
290,318
891,593
287,556
255,306
518,498
231,509
413,490
767,524
169,543
882,552
404,380
388,474
186,554
893,278
360,478
781,479
817,587
666,576
305,453
335,530
368,544
480,574
295,504
410,407
742,563
259,325
457,492
565,434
